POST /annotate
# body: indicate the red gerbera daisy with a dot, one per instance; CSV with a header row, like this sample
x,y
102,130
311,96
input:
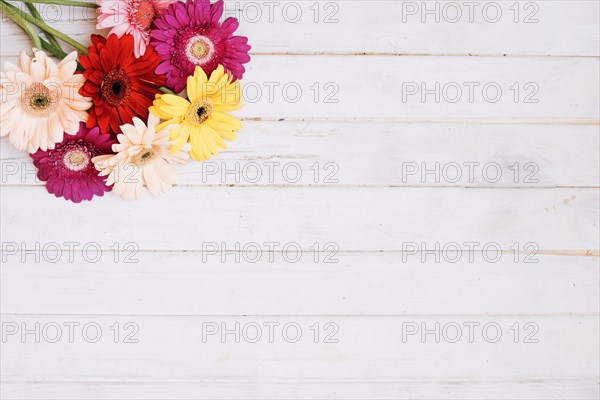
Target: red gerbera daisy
x,y
120,85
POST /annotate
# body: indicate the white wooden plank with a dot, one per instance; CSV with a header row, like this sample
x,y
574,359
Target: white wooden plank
x,y
183,349
464,88
565,28
459,390
381,87
395,154
365,219
324,283
368,294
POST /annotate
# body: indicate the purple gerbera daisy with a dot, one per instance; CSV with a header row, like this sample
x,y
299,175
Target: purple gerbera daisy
x,y
68,169
190,34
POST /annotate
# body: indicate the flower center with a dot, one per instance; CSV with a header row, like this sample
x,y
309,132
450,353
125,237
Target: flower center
x,y
142,13
116,87
76,159
38,100
199,49
145,156
199,111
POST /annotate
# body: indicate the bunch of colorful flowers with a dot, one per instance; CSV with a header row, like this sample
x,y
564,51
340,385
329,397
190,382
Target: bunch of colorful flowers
x,y
152,93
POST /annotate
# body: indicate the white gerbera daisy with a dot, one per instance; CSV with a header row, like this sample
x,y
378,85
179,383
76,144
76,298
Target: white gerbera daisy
x,y
143,157
40,101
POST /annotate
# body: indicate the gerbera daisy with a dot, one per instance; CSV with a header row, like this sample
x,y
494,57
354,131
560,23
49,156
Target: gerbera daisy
x,y
130,17
39,101
68,169
121,86
142,157
190,34
204,119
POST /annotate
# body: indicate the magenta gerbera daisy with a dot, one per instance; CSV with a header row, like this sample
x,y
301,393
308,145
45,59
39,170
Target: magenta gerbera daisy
x,y
191,34
68,169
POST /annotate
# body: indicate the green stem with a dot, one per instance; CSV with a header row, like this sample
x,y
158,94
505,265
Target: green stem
x,y
166,90
35,13
55,51
37,41
58,53
27,27
81,48
63,3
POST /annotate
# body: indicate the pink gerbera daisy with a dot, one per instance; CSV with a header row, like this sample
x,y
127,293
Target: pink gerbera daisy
x,y
190,34
131,17
68,169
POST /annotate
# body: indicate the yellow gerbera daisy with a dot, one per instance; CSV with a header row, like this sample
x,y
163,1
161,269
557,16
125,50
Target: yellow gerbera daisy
x,y
203,120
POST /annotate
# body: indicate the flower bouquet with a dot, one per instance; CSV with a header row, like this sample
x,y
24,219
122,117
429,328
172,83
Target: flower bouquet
x,y
121,114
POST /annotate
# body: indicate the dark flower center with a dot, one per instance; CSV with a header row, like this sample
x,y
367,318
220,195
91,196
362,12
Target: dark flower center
x,y
145,156
199,111
38,100
116,87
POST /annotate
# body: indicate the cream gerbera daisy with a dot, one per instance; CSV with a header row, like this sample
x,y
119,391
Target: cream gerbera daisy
x,y
143,157
203,120
40,101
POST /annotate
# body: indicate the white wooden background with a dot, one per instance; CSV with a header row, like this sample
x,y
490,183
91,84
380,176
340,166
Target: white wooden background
x,y
376,288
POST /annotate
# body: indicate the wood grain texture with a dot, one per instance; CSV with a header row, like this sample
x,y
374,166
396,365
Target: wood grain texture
x,y
463,88
560,28
259,282
355,136
555,219
459,390
176,349
385,154
389,93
